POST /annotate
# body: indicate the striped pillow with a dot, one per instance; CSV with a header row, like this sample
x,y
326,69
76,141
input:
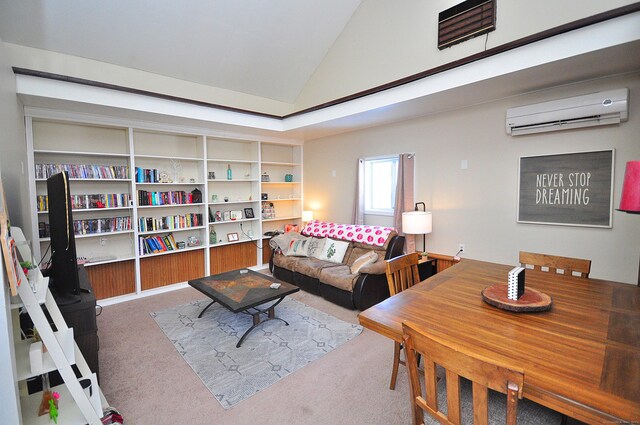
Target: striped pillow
x,y
363,260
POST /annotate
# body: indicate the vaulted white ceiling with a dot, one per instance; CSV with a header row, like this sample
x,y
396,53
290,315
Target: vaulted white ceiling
x,y
259,47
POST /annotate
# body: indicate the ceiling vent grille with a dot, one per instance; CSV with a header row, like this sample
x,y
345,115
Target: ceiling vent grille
x,y
464,21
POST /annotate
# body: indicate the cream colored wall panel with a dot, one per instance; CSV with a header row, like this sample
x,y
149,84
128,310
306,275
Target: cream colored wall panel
x,y
58,63
477,206
386,41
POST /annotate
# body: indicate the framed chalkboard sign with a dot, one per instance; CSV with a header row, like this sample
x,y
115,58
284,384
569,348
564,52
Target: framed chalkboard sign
x,y
571,189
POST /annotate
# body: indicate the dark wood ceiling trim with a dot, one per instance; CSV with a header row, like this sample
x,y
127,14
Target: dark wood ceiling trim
x,y
571,26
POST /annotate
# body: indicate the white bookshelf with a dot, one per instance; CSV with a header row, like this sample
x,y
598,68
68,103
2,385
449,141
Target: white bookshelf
x,y
189,160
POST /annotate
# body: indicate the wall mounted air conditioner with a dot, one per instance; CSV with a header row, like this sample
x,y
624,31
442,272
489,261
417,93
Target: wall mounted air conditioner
x,y
602,108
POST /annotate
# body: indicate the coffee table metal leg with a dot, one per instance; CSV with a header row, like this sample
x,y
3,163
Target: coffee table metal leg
x,y
205,309
271,315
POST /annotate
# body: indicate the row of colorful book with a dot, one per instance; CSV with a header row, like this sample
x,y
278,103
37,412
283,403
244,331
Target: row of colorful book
x,y
173,197
147,175
95,200
101,225
83,171
170,222
155,244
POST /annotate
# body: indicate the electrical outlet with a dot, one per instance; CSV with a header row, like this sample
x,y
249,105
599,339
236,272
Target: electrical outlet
x,y
461,248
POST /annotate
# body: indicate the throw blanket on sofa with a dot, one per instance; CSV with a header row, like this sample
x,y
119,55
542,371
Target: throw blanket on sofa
x,y
371,235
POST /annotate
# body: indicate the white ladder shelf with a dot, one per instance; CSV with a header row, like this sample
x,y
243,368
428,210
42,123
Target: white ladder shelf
x,y
76,405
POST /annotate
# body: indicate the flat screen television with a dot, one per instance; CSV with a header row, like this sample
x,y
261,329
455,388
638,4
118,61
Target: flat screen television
x,y
63,274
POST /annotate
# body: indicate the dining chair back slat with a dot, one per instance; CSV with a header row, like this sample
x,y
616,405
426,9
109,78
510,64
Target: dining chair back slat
x,y
555,264
458,362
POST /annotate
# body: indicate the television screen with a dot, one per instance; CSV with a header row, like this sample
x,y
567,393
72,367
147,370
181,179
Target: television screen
x,y
64,282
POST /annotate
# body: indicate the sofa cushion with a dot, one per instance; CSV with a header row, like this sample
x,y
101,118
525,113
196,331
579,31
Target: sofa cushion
x,y
333,251
298,248
365,259
339,277
357,252
285,262
312,266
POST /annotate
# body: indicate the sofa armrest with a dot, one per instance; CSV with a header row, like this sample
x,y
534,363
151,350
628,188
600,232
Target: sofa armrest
x,y
369,290
395,248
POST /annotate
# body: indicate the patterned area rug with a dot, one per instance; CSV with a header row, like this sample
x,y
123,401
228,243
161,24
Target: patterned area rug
x,y
270,352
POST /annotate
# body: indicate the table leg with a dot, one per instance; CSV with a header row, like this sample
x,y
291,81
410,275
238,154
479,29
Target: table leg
x,y
205,309
271,315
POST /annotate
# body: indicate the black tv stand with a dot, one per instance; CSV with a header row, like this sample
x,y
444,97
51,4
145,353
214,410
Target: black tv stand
x,y
65,299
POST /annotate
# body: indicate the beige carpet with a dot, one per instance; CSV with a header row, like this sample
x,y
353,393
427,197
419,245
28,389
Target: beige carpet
x,y
144,377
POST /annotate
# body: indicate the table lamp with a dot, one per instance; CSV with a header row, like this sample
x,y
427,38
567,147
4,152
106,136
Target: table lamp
x,y
630,201
307,216
417,223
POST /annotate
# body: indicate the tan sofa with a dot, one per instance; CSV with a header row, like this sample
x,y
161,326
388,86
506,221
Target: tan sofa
x,y
335,281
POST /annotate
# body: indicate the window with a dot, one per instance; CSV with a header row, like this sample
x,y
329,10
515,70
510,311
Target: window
x,y
380,177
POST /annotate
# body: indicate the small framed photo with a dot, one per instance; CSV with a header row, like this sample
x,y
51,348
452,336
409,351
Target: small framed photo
x,y
232,237
226,216
264,196
218,216
236,215
248,213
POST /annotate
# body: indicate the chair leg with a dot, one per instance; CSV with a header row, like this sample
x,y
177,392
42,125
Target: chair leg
x,y
396,363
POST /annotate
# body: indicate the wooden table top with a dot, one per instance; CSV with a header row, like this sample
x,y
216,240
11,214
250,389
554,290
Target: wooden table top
x,y
581,358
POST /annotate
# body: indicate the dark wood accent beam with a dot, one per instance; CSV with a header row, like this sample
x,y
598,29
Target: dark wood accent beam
x,y
571,26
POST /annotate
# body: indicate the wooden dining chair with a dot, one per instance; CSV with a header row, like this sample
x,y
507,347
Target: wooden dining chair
x,y
443,262
402,273
458,362
553,263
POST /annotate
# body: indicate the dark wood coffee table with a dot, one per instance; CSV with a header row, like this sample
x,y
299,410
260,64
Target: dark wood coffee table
x,y
244,293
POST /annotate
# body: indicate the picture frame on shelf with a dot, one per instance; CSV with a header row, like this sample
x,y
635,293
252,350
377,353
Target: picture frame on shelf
x,y
248,213
264,196
218,216
232,237
226,216
236,215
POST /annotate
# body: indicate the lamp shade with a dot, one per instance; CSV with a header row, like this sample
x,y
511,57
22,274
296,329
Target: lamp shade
x,y
416,222
630,201
307,216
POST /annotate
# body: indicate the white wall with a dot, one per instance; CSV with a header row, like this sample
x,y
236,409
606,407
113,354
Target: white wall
x,y
12,151
477,206
389,40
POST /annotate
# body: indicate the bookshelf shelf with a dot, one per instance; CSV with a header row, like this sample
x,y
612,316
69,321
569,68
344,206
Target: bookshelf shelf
x,y
90,210
169,184
175,251
241,201
160,231
169,157
170,205
282,164
76,153
233,221
232,180
233,161
80,180
90,263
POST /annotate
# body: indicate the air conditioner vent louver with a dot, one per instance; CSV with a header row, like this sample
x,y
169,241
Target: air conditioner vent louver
x,y
603,108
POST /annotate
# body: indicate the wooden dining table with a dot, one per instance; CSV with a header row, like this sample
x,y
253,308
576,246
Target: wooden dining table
x,y
581,357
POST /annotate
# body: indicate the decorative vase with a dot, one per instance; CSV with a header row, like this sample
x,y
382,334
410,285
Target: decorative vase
x,y
228,171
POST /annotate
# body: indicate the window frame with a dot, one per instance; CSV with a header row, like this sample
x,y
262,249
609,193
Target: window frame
x,y
367,185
